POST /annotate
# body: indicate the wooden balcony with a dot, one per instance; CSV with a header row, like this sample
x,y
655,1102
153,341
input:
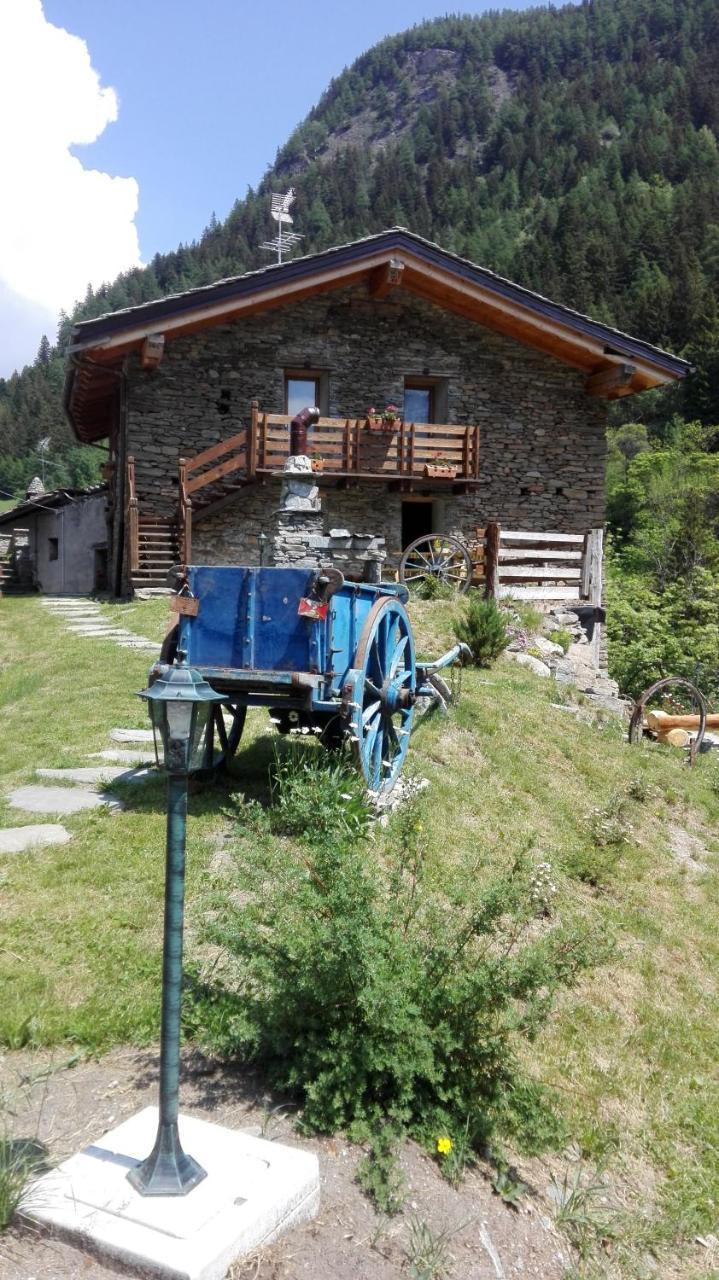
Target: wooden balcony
x,y
406,455
345,451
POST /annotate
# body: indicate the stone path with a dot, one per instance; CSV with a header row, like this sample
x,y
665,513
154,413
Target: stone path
x,y
84,618
17,839
125,763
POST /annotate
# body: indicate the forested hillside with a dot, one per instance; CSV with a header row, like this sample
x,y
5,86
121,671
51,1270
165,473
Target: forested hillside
x,y
573,150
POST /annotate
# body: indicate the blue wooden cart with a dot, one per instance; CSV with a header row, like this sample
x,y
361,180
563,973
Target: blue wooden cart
x,y
326,656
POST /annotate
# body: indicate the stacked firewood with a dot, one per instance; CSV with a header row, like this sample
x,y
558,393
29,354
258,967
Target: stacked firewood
x,y
676,730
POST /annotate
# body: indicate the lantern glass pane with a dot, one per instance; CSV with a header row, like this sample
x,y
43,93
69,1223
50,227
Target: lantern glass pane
x,y
179,720
197,753
157,720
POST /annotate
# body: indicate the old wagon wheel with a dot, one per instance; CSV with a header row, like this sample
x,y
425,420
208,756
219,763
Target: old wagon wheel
x,y
439,556
670,682
383,705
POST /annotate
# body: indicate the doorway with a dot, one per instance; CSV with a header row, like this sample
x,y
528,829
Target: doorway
x,y
417,521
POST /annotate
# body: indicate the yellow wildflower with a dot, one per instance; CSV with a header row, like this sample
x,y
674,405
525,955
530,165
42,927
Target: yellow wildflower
x,y
444,1146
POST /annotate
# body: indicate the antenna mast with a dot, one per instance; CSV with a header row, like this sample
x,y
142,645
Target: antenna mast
x,y
284,240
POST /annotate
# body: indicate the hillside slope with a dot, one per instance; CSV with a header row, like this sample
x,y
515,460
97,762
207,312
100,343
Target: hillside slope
x,y
573,150
630,835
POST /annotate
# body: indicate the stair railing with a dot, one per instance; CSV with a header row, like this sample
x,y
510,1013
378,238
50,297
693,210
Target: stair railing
x,y
184,514
132,519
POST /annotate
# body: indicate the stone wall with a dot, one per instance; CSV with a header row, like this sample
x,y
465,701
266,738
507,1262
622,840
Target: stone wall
x,y
542,440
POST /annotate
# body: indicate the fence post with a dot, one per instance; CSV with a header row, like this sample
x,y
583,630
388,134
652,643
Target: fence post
x,y
252,451
492,534
594,579
133,525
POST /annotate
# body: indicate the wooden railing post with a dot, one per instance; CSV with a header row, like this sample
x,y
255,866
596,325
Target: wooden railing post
x,y
492,535
592,566
252,450
132,520
476,452
184,514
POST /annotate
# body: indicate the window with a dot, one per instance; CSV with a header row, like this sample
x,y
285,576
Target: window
x,y
425,399
52,548
301,392
418,403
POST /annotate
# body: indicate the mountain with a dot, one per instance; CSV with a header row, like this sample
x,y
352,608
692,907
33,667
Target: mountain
x,y
573,150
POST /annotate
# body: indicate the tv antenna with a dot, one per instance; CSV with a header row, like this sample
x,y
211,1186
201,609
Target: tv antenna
x,y
284,240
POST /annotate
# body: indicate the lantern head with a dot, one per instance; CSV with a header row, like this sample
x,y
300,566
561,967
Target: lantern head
x,y
180,704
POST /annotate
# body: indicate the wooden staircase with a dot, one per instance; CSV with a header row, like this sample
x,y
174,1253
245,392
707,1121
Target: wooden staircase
x,y
158,551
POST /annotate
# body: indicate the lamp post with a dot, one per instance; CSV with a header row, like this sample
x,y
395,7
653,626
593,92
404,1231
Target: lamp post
x,y
180,703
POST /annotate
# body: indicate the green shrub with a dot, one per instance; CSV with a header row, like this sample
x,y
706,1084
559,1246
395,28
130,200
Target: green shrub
x,y
431,588
361,989
564,638
483,629
311,794
525,615
379,1174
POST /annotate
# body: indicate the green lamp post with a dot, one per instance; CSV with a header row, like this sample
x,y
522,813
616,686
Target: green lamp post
x,y
181,704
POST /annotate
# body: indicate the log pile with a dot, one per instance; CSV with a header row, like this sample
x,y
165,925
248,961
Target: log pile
x,y
676,730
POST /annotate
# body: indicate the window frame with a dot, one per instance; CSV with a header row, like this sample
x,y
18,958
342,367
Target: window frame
x,y
438,389
318,376
53,549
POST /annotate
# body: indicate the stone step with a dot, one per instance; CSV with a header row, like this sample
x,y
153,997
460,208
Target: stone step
x,y
94,774
118,756
34,836
132,735
41,799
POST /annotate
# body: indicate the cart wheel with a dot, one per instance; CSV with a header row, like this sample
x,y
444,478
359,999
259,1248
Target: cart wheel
x,y
227,736
384,697
439,556
168,651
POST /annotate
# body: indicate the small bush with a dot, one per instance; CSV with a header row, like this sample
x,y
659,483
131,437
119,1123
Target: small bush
x,y
563,638
523,614
379,1174
312,795
361,990
483,629
431,588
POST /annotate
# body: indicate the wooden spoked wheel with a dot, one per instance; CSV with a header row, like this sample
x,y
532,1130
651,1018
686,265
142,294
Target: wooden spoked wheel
x,y
439,556
384,699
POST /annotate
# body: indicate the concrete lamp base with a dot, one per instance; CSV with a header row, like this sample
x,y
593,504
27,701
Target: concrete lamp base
x,y
254,1190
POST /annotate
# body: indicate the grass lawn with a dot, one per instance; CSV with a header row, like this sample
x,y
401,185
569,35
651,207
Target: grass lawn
x,y
631,834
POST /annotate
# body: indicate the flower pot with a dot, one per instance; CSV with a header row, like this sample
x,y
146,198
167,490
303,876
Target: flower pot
x,y
439,471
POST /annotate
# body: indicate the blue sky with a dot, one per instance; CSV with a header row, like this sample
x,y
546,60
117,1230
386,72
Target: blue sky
x,y
204,96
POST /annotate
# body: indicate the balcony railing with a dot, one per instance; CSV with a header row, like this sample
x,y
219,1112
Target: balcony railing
x,y
407,454
354,448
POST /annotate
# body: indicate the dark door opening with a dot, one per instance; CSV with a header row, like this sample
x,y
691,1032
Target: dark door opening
x,y
416,521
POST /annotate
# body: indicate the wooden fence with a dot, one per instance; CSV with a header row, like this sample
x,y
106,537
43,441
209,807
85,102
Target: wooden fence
x,y
539,566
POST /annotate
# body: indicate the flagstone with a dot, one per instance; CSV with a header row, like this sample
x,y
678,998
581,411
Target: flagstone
x,y
132,735
40,799
124,757
94,774
17,839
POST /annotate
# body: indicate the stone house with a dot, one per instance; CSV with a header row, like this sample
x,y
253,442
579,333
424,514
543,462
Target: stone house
x,y
502,400
55,542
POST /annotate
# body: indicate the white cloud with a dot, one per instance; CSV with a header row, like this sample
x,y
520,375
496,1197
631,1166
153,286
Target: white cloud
x,y
62,226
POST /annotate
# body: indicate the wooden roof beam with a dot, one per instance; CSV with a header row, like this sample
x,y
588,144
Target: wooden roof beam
x,y
611,381
385,278
152,351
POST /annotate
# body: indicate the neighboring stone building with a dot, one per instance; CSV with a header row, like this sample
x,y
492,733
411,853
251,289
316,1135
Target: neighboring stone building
x,y
509,390
55,542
